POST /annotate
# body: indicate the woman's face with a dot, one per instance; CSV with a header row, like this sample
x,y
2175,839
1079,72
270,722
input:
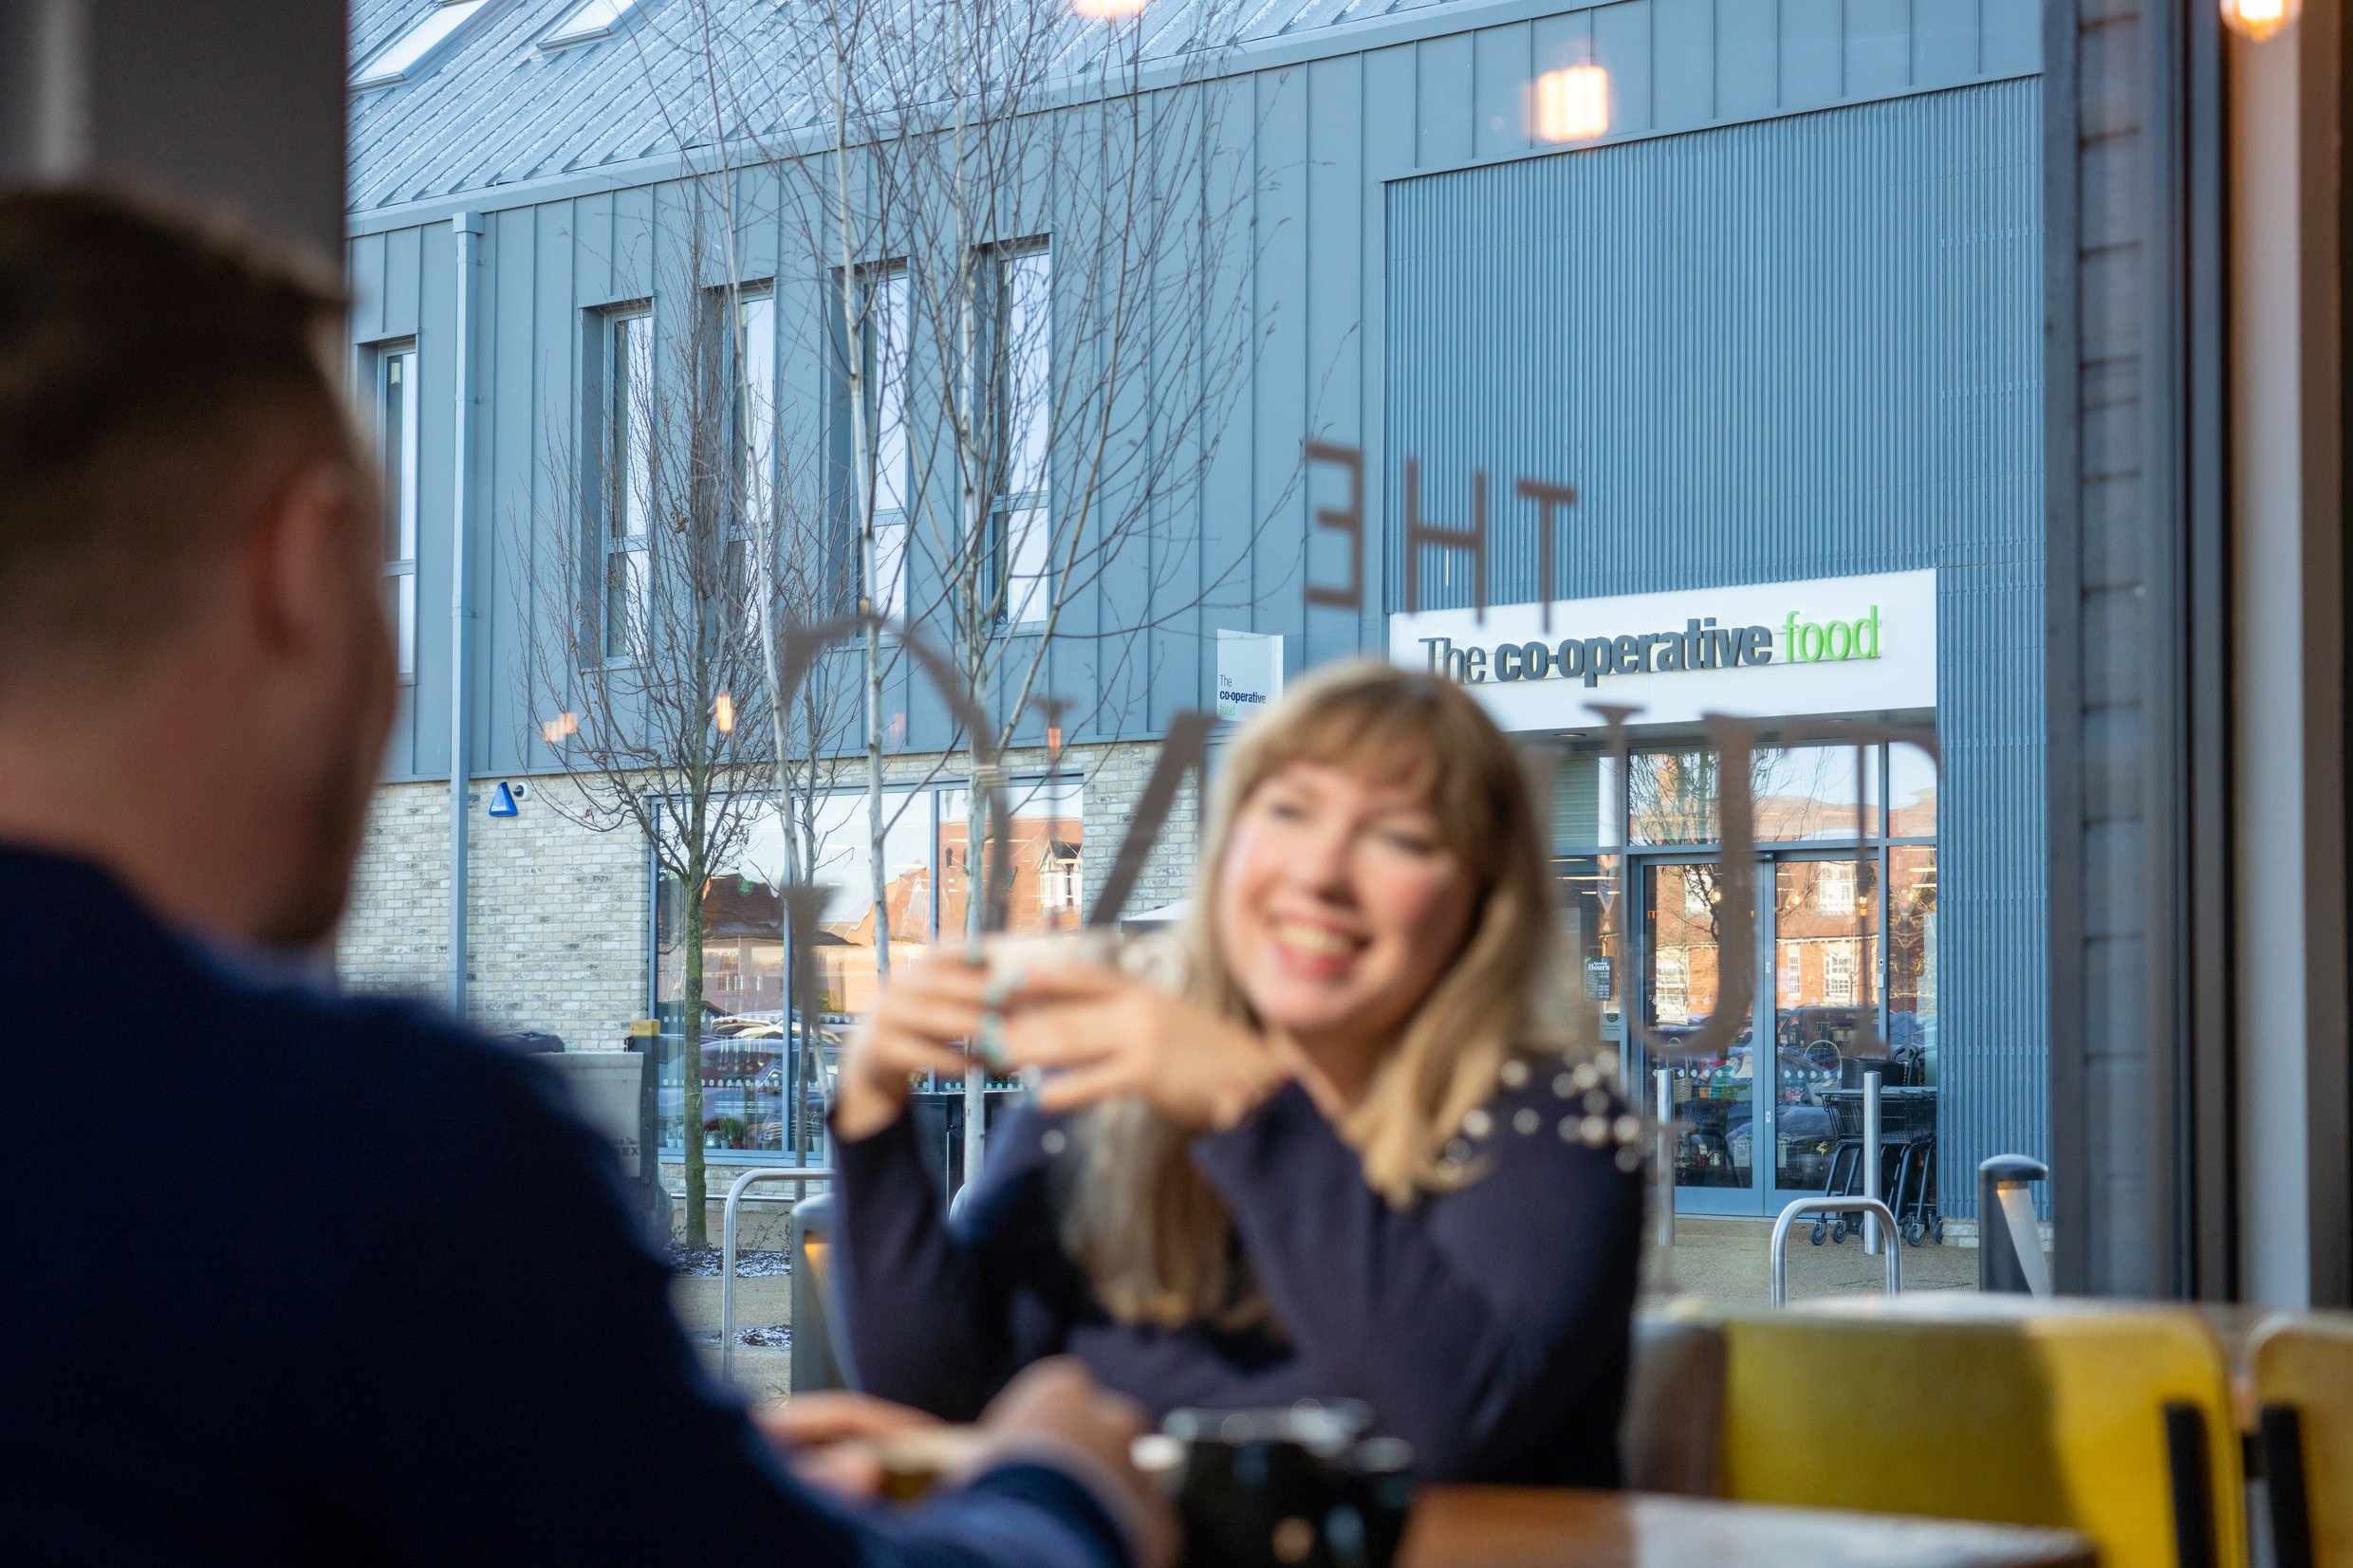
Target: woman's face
x,y
1339,905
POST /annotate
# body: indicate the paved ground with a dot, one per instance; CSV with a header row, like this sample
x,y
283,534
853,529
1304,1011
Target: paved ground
x,y
763,1373
1725,1261
1730,1262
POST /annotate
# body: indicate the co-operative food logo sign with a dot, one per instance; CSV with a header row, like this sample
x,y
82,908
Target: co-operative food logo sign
x,y
1832,645
1700,645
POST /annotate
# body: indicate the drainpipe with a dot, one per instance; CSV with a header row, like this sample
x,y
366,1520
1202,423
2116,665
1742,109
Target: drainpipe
x,y
466,228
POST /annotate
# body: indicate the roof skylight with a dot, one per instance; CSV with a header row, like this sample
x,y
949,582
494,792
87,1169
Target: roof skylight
x,y
414,48
587,20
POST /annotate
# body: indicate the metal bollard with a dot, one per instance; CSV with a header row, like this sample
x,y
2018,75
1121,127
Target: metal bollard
x,y
2009,1242
1665,1224
1872,1154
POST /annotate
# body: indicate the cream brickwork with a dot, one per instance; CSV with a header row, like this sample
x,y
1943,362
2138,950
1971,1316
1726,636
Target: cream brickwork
x,y
557,914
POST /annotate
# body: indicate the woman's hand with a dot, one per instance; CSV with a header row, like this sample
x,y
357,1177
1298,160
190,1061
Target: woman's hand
x,y
1097,1034
914,1028
832,1439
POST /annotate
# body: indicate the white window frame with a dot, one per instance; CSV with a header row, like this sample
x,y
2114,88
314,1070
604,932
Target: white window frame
x,y
1841,975
1020,279
627,580
885,333
1837,885
586,23
753,432
394,397
756,447
413,52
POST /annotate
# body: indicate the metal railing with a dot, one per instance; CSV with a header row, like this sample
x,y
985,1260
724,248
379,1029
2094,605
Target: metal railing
x,y
1832,1205
726,1246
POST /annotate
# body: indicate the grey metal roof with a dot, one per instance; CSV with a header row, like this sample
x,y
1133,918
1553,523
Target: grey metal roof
x,y
495,109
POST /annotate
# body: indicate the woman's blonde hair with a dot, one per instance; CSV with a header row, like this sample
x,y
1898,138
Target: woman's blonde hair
x,y
1154,1238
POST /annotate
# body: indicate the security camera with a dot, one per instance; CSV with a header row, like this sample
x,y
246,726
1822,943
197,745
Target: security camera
x,y
522,791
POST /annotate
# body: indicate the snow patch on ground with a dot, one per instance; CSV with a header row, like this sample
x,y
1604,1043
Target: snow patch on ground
x,y
703,1264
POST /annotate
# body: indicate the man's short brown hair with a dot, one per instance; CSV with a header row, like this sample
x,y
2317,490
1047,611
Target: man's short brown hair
x,y
146,357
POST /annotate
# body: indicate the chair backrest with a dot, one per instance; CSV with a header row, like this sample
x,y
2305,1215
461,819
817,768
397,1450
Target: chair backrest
x,y
1675,1405
2117,1422
2302,1367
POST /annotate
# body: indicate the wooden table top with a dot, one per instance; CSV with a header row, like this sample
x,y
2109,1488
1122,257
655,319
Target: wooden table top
x,y
1528,1528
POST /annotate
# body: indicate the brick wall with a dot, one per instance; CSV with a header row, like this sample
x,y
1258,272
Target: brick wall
x,y
557,913
1115,778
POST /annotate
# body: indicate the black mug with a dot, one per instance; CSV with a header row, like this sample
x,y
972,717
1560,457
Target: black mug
x,y
1299,1487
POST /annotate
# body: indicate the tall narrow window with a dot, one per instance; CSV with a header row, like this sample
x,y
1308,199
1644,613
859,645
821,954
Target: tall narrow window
x,y
629,464
887,335
753,532
1020,334
755,402
396,435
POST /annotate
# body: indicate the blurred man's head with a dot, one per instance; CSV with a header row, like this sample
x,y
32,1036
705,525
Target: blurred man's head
x,y
188,610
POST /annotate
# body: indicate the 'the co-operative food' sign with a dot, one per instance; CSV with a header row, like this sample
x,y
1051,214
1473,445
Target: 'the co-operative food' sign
x,y
1837,645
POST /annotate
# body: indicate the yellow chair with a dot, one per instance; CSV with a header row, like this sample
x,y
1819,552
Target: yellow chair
x,y
2113,1421
2302,1370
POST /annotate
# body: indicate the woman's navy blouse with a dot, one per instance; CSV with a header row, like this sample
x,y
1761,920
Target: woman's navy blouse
x,y
1487,1326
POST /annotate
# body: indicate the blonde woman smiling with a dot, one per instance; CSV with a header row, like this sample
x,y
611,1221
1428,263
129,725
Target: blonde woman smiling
x,y
1357,1159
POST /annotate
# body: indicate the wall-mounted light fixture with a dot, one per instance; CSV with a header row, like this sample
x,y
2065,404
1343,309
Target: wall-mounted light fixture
x,y
2259,19
1572,103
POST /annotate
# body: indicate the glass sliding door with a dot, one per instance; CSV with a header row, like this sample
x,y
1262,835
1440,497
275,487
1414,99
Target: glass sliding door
x,y
1715,1090
1844,935
1825,971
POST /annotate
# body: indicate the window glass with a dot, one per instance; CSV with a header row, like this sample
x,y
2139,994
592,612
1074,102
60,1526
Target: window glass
x,y
755,392
1910,793
1824,974
1670,797
1713,1093
1912,957
1048,890
1589,896
396,441
1028,370
632,424
1028,544
630,446
887,328
748,1064
1811,792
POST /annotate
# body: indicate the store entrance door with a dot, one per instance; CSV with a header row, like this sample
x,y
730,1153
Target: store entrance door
x,y
1756,1128
1682,927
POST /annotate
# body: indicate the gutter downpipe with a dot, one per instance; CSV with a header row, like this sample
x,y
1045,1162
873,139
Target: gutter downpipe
x,y
466,228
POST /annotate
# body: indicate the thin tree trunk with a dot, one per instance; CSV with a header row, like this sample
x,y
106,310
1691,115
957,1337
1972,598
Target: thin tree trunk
x,y
976,924
691,1058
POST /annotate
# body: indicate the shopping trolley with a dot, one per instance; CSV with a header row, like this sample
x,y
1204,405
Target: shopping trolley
x,y
1907,1157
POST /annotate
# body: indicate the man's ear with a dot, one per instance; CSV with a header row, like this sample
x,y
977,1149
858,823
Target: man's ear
x,y
302,559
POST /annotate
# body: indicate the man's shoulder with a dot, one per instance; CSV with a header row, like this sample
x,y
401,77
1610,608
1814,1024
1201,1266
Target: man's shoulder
x,y
362,1077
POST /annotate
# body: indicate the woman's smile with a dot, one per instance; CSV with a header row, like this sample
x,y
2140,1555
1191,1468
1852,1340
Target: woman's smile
x,y
1312,948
